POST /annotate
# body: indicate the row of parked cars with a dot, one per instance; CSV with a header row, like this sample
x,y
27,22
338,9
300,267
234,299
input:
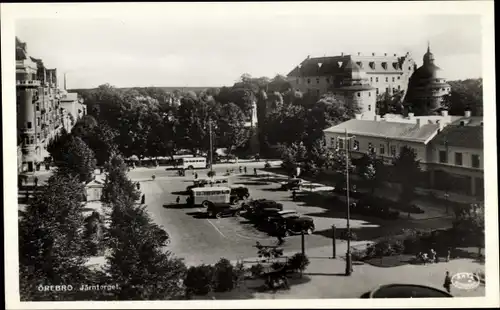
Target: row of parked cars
x,y
267,214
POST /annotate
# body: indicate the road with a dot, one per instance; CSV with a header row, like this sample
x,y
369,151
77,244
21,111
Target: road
x,y
205,240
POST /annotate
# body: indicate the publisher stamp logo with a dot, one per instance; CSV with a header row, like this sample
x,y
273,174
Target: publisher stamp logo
x,y
465,280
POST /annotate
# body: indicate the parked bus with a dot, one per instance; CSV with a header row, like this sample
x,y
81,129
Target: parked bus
x,y
206,196
193,163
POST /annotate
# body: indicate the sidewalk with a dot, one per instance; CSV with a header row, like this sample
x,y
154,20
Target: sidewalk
x,y
328,278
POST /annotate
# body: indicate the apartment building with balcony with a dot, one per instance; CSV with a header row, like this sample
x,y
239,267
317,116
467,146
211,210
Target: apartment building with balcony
x,y
37,101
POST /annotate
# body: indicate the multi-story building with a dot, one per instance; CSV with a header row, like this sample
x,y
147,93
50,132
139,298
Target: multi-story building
x,y
385,73
443,144
72,108
38,114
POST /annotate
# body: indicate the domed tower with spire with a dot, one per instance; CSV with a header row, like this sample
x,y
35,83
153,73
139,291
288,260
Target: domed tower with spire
x,y
427,88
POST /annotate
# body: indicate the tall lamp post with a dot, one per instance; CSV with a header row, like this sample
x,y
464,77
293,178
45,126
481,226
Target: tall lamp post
x,y
211,147
348,257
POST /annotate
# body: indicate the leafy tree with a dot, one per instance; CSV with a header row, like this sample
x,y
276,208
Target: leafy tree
x,y
76,158
231,127
137,260
371,170
293,156
117,184
341,165
407,170
469,224
390,103
465,94
50,240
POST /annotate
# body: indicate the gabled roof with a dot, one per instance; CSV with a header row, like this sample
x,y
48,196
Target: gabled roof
x,y
384,129
461,136
95,182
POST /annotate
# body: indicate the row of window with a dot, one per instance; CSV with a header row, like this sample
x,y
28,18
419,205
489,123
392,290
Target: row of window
x,y
475,160
339,144
328,80
212,193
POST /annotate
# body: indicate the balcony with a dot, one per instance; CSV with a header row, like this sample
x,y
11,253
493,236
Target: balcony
x,y
33,83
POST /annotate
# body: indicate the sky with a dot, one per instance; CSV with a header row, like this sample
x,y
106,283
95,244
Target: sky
x,y
212,46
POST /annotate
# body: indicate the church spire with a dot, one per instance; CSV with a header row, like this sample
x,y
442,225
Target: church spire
x,y
428,46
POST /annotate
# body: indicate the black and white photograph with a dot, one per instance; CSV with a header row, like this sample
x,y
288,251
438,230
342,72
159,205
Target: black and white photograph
x,y
250,154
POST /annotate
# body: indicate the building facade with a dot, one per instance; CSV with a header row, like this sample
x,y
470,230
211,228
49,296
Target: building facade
x,y
39,114
386,73
73,109
449,147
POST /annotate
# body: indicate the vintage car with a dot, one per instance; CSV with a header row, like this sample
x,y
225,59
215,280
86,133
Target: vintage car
x,y
222,210
239,192
293,223
292,184
252,205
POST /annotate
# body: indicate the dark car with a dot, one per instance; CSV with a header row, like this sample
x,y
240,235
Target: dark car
x,y
239,193
291,184
375,207
253,205
294,224
221,210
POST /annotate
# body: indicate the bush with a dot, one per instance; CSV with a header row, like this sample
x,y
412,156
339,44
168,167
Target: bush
x,y
224,278
257,270
277,265
198,279
384,248
298,261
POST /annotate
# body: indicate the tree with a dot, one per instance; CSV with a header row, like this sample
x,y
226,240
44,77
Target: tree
x,y
371,170
51,242
293,156
465,94
231,129
75,158
469,224
137,261
390,103
341,166
407,170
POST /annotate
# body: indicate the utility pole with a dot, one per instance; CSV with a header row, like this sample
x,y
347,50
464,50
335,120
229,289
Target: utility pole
x,y
348,258
211,148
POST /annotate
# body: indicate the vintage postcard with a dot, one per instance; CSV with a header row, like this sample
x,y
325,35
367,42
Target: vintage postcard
x,y
250,155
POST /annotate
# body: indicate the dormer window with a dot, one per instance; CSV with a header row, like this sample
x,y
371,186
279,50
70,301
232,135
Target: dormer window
x,y
372,65
462,123
384,65
360,64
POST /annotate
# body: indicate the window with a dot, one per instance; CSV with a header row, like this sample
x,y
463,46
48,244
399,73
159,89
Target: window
x,y
332,141
393,150
393,79
38,136
317,80
359,94
399,87
369,94
409,68
377,91
369,107
399,78
475,161
28,125
371,150
376,79
38,121
341,143
327,80
38,107
382,149
458,159
443,157
356,145
32,140
308,81
386,79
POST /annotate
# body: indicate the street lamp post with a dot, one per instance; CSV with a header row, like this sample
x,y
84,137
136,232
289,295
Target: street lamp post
x,y
348,257
211,148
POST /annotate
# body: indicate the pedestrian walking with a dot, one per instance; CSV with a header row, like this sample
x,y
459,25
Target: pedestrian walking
x,y
255,171
241,169
433,255
447,282
178,199
294,195
153,177
36,181
195,175
245,169
448,255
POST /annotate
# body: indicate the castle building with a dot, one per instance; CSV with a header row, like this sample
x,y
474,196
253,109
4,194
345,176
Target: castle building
x,y
426,88
39,115
385,73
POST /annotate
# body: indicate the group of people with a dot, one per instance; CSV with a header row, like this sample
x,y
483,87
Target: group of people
x,y
431,257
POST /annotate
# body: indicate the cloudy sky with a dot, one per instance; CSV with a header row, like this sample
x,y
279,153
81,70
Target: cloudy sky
x,y
204,45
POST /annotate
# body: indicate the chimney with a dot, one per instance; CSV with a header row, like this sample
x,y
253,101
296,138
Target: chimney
x,y
411,115
385,54
444,113
373,54
64,81
342,54
467,113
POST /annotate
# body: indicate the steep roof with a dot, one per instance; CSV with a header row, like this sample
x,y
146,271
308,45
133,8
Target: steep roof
x,y
333,65
461,136
384,129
